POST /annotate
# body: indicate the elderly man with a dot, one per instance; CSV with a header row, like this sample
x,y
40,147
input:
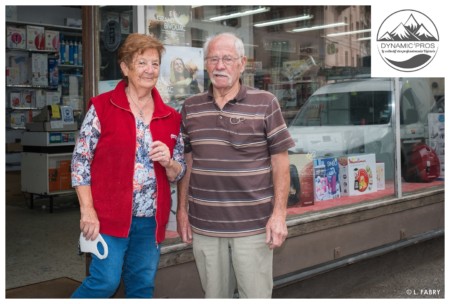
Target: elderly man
x,y
232,201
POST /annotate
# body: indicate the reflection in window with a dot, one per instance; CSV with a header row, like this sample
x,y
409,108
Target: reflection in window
x,y
344,109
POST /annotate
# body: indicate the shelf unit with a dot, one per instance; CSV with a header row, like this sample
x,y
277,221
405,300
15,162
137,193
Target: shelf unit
x,y
25,99
46,164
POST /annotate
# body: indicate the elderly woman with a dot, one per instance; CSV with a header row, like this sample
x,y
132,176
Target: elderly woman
x,y
128,151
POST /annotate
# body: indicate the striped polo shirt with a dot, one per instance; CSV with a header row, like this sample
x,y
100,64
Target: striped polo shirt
x,y
231,190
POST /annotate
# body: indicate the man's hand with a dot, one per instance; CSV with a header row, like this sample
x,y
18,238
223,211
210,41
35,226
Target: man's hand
x,y
183,226
276,231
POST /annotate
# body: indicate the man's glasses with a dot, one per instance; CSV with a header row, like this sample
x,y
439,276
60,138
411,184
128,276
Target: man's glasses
x,y
226,60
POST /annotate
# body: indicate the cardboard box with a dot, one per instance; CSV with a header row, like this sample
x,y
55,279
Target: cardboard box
x,y
35,37
73,22
27,99
302,184
40,98
64,166
380,176
12,75
16,37
17,119
51,40
39,69
65,182
22,100
22,63
52,97
53,72
358,174
14,99
326,179
53,180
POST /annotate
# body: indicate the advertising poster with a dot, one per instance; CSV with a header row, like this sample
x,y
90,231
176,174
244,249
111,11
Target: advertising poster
x,y
181,74
168,23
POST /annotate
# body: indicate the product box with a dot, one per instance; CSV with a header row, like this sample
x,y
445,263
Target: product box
x,y
12,75
53,180
380,176
53,72
51,40
23,99
73,22
14,99
16,37
17,119
326,179
35,37
27,99
39,69
302,185
358,174
52,97
40,98
76,102
64,175
21,62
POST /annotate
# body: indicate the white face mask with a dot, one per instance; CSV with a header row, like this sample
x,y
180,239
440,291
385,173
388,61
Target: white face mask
x,y
91,246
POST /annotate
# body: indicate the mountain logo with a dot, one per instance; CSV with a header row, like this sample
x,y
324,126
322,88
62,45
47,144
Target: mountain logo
x,y
407,40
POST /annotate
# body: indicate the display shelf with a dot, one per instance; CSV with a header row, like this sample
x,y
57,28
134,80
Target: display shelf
x,y
36,77
46,25
46,174
30,86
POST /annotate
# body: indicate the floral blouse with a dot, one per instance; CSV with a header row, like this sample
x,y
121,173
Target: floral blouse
x,y
144,180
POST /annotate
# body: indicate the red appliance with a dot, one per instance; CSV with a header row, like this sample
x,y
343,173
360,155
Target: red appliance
x,y
421,164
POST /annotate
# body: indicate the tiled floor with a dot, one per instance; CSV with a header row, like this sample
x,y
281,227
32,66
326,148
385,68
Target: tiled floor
x,y
39,245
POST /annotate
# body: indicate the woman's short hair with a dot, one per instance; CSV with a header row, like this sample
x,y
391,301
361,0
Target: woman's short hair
x,y
137,44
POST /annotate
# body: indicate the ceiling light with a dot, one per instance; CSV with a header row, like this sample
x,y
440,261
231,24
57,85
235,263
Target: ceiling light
x,y
348,33
318,27
286,20
240,14
364,38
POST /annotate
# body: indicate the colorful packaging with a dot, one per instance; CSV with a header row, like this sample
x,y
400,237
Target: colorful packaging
x,y
35,37
358,174
16,37
326,179
380,176
302,180
52,40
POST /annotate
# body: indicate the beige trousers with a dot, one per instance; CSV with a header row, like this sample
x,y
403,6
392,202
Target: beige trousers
x,y
226,263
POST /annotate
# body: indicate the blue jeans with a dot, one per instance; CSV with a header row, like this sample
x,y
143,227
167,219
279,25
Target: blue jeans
x,y
134,259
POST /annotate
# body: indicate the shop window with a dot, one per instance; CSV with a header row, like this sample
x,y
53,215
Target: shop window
x,y
320,78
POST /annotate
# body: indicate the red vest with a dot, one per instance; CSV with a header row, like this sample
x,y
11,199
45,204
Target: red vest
x,y
112,167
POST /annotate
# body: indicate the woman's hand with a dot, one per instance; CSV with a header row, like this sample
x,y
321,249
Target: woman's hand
x,y
160,153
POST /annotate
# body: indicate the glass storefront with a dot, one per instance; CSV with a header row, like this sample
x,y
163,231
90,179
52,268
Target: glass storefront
x,y
358,139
